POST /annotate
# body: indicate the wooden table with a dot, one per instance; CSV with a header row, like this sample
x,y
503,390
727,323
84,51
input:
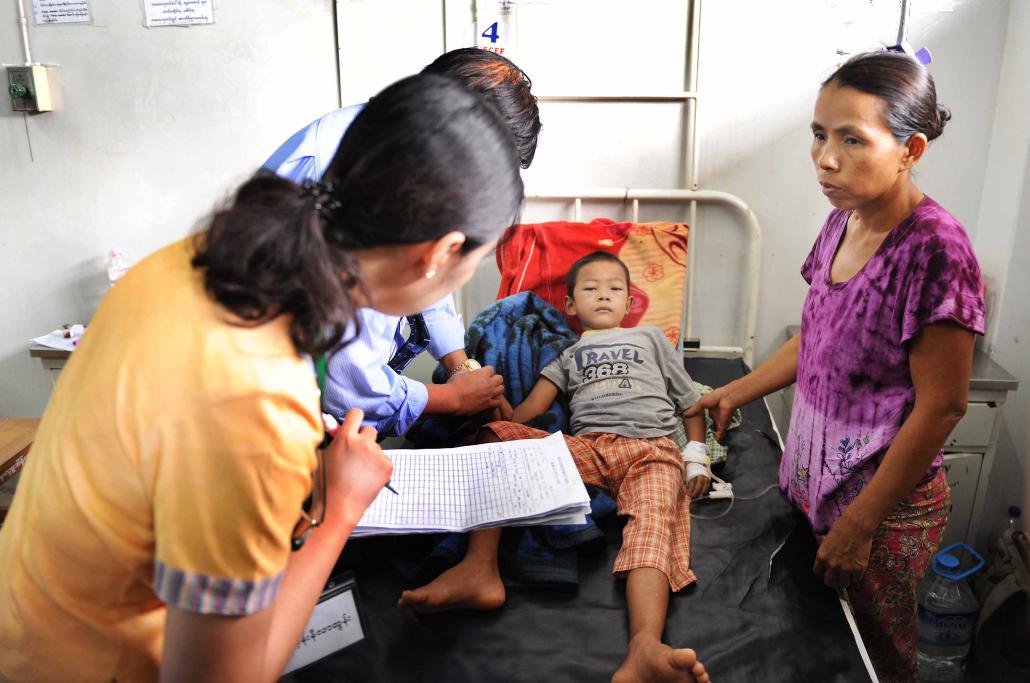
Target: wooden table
x,y
16,436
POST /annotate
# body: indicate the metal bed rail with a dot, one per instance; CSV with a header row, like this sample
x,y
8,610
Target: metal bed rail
x,y
754,249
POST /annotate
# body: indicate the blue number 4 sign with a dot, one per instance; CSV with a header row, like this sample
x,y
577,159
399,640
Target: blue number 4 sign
x,y
491,33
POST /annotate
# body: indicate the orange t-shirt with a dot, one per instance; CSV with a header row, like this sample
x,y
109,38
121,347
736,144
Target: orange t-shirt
x,y
169,468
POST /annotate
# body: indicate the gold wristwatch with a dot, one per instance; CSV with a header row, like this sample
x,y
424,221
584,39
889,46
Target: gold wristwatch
x,y
469,365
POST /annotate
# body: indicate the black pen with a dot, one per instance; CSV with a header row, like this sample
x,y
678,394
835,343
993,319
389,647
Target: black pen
x,y
327,439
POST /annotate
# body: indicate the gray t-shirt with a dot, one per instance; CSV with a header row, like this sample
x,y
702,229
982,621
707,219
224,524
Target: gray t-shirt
x,y
627,381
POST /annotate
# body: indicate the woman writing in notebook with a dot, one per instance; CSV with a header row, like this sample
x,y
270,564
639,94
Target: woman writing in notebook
x,y
151,533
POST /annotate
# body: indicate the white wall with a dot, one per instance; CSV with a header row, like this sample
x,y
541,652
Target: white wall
x,y
760,70
152,127
1002,244
759,74
155,125
760,86
381,42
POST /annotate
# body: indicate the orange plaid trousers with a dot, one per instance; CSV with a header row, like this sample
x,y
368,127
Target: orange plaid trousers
x,y
645,476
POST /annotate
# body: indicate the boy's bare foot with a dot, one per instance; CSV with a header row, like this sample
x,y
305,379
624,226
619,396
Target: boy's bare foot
x,y
466,585
649,660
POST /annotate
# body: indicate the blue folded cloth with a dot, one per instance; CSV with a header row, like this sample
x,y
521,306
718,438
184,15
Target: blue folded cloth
x,y
519,336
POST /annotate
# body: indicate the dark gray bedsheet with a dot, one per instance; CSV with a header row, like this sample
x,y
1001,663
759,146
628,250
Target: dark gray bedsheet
x,y
748,618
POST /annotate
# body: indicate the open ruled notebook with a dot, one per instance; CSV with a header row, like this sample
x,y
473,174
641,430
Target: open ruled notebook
x,y
514,483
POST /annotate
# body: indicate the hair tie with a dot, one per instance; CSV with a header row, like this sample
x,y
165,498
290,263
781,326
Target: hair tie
x,y
922,55
322,192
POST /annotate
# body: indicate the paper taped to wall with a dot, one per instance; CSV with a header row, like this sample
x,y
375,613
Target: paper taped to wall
x,y
61,12
177,12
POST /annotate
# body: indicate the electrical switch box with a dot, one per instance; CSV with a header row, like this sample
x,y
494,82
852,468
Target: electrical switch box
x,y
29,88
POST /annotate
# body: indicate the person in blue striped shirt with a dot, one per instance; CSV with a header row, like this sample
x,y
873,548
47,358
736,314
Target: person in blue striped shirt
x,y
366,373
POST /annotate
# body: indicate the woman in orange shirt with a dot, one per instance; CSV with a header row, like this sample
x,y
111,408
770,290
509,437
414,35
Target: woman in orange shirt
x,y
151,533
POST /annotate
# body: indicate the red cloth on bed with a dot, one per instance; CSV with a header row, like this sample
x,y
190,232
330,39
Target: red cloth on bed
x,y
538,256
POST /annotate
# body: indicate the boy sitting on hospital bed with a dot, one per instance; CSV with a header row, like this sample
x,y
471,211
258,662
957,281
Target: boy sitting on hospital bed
x,y
627,388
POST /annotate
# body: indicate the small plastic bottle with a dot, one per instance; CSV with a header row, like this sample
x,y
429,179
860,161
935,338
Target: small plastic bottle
x,y
116,265
948,611
1015,512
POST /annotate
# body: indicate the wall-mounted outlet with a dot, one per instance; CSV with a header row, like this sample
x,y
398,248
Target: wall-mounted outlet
x,y
29,88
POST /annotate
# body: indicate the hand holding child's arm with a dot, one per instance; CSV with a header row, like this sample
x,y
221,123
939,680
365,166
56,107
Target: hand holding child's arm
x,y
720,405
501,413
539,400
776,373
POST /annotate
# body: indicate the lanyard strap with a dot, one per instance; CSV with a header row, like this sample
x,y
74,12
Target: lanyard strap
x,y
417,342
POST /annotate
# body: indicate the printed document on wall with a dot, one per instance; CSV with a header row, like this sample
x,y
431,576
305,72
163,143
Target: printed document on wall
x,y
495,26
178,12
61,12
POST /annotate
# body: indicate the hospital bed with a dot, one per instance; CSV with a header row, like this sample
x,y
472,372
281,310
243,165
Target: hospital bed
x,y
756,613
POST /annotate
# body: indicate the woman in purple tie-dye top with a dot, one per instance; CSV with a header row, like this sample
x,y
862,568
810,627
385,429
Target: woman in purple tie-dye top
x,y
883,359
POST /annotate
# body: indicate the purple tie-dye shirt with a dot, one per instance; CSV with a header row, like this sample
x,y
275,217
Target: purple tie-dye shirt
x,y
854,389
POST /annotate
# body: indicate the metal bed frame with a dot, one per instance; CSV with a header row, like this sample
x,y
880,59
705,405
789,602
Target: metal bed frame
x,y
692,195
754,250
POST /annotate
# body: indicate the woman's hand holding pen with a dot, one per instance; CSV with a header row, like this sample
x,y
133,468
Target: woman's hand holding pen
x,y
357,469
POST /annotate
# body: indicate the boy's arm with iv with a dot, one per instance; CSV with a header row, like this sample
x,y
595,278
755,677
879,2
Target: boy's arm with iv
x,y
539,400
697,472
697,483
694,426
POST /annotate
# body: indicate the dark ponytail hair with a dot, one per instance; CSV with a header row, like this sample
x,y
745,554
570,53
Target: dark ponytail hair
x,y
425,157
905,86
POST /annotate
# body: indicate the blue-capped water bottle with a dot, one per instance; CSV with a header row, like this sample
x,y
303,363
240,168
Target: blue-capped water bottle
x,y
948,611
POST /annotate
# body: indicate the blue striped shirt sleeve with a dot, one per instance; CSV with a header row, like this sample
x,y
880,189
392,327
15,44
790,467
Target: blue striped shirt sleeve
x,y
307,153
195,592
357,376
446,328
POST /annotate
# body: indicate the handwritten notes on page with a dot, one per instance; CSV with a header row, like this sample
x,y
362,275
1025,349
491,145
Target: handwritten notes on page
x,y
515,483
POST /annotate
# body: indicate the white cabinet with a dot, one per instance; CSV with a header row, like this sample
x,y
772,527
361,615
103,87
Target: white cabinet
x,y
975,428
963,472
969,451
52,360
